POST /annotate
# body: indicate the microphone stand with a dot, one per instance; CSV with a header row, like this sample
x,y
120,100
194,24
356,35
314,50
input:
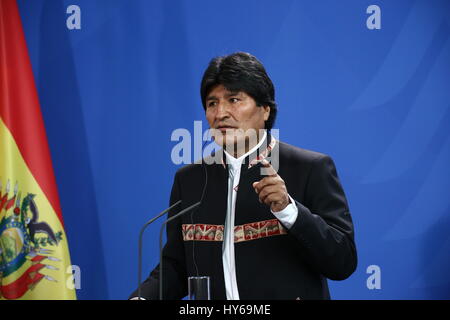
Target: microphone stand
x,y
140,244
179,214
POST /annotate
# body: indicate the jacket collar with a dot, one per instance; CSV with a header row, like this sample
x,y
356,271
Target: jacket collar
x,y
256,156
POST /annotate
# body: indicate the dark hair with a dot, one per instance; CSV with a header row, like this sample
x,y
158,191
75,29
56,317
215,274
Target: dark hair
x,y
241,71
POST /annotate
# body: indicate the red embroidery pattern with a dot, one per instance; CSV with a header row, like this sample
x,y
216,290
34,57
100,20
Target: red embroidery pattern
x,y
263,154
257,230
246,232
202,232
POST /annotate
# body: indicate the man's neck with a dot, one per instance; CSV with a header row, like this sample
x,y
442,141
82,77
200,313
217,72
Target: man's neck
x,y
239,152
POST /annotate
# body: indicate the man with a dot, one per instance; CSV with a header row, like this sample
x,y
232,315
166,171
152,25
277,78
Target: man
x,y
274,222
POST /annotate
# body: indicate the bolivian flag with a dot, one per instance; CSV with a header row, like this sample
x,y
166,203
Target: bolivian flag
x,y
34,254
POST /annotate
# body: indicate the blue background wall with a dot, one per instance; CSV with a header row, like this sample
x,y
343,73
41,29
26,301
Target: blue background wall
x,y
377,101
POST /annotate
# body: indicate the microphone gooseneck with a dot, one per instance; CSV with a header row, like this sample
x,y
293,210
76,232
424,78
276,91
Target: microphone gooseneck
x,y
140,243
194,206
179,214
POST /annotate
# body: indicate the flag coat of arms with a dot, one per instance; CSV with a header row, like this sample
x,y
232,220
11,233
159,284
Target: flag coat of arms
x,y
34,254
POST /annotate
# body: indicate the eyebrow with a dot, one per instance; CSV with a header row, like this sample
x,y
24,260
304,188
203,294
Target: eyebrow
x,y
231,94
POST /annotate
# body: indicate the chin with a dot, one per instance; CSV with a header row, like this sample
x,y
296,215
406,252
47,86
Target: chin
x,y
237,139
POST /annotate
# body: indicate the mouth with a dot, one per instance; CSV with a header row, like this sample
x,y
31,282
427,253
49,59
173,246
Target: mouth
x,y
225,128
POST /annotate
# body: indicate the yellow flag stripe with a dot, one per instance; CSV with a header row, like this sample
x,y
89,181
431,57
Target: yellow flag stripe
x,y
14,169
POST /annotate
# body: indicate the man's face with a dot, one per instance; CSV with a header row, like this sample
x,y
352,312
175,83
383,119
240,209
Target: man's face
x,y
233,115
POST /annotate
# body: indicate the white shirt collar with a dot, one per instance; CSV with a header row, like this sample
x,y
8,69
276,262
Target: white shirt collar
x,y
236,163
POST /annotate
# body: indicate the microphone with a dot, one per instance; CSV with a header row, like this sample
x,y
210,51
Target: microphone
x,y
140,243
195,205
179,214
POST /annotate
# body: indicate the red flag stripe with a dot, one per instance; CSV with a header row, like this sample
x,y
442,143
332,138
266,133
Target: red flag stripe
x,y
19,103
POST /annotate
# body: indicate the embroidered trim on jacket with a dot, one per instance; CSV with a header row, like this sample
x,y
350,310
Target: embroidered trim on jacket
x,y
245,232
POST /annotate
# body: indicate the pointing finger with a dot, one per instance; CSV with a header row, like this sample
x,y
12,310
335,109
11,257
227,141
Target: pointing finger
x,y
268,170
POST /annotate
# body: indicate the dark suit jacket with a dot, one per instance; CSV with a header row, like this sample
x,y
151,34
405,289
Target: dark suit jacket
x,y
272,262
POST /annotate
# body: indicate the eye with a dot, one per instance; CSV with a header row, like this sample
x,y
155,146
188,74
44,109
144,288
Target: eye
x,y
212,103
234,100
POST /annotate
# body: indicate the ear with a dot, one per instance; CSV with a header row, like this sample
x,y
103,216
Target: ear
x,y
266,112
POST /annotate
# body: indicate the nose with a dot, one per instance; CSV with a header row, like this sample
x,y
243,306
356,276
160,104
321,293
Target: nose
x,y
222,111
